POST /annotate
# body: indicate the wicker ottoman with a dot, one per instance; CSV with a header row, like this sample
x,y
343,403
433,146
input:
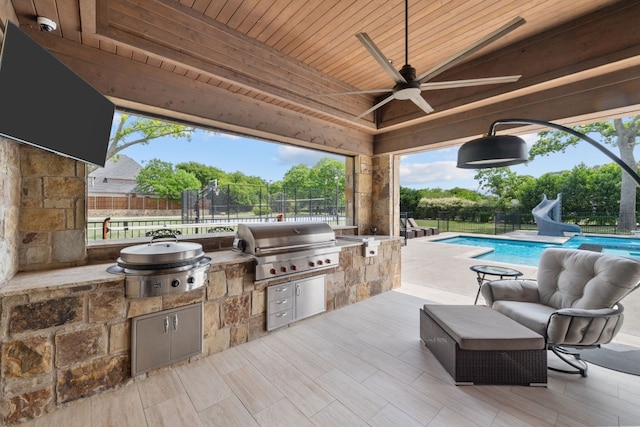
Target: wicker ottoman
x,y
478,345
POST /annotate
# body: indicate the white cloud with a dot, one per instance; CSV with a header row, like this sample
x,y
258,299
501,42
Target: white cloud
x,y
529,138
290,155
218,134
424,173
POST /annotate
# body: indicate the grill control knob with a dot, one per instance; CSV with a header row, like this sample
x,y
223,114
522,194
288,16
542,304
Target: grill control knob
x,y
293,268
191,280
273,271
319,262
327,261
312,264
283,269
175,283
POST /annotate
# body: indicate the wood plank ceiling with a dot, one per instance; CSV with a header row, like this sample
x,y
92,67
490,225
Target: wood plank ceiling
x,y
257,66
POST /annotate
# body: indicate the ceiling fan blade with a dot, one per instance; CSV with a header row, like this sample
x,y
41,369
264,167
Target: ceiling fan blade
x,y
355,92
378,105
470,82
460,56
424,105
380,58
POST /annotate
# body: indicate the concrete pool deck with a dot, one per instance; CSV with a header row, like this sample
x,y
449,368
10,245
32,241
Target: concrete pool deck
x,y
440,273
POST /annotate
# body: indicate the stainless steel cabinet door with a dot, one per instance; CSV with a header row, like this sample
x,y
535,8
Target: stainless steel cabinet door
x,y
162,338
151,343
186,332
310,297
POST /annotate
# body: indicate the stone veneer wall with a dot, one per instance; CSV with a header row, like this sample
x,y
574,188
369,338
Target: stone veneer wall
x,y
64,344
9,182
52,224
375,189
384,209
9,208
362,195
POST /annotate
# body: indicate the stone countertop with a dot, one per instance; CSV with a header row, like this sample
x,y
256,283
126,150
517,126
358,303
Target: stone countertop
x,y
86,275
95,274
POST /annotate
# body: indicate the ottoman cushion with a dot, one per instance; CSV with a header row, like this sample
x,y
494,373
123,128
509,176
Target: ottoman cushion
x,y
481,328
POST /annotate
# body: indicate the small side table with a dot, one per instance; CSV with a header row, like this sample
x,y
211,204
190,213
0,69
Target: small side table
x,y
492,270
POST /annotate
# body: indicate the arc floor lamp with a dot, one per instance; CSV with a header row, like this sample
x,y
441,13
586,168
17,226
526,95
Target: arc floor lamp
x,y
492,151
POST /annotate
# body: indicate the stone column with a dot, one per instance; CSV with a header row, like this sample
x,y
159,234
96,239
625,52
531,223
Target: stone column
x,y
52,219
386,194
376,193
9,208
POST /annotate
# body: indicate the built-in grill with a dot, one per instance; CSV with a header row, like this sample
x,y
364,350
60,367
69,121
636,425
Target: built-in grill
x,y
288,248
164,266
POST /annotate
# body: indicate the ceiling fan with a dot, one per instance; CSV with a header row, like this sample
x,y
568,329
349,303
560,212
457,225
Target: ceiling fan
x,y
409,86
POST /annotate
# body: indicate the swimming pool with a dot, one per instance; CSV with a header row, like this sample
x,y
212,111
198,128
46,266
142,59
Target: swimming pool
x,y
527,253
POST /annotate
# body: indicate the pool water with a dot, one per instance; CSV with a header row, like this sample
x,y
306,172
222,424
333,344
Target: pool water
x,y
527,253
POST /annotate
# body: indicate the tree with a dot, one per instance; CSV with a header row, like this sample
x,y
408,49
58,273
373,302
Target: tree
x,y
501,182
577,189
204,173
621,133
323,174
132,130
159,177
606,189
297,177
409,199
530,193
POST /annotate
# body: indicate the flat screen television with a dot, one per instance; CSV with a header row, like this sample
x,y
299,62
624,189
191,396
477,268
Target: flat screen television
x,y
45,104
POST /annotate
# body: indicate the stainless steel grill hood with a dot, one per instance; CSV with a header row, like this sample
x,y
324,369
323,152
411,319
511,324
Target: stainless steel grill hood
x,y
287,248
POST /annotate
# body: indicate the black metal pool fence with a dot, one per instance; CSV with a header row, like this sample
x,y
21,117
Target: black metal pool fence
x,y
234,201
484,222
128,228
217,209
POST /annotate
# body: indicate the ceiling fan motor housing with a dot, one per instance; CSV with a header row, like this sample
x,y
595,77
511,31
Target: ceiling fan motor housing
x,y
408,72
411,88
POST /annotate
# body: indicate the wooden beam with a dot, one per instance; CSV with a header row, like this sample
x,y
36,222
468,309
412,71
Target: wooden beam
x,y
614,92
88,16
7,12
587,43
154,90
165,29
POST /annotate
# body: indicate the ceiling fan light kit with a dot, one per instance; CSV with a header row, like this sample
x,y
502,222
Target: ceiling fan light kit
x,y
409,87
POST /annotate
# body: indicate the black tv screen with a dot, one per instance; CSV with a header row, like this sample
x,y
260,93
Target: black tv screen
x,y
45,104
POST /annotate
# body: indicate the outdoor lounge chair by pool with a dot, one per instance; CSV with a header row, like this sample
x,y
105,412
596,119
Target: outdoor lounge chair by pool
x,y
412,229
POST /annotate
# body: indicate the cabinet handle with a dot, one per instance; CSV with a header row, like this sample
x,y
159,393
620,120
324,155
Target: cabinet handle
x,y
282,301
281,289
166,324
175,322
297,290
281,314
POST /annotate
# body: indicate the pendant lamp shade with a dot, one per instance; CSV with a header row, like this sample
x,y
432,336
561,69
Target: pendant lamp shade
x,y
492,151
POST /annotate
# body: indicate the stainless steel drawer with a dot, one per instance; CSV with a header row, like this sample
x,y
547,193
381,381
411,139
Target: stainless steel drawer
x,y
280,291
280,305
281,318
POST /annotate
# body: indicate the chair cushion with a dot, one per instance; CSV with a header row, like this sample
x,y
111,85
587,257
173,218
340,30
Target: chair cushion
x,y
584,279
532,315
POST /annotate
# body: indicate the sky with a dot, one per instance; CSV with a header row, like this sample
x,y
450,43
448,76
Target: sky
x,y
437,168
270,161
229,153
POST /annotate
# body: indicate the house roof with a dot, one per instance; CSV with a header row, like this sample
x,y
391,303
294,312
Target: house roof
x,y
264,67
116,177
121,167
